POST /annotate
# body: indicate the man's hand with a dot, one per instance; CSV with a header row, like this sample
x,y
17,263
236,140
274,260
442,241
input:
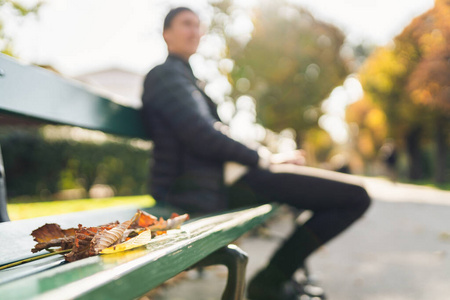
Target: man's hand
x,y
296,157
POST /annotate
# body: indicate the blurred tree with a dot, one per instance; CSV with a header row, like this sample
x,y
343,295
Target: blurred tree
x,y
290,65
372,128
429,84
284,59
410,82
14,11
319,142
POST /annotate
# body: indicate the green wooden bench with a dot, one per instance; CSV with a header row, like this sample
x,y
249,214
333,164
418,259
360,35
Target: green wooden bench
x,y
37,94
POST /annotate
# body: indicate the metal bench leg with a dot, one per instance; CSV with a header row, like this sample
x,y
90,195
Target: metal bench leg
x,y
3,212
236,261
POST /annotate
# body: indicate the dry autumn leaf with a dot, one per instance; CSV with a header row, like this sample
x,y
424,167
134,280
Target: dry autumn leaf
x,y
83,238
138,241
145,219
105,239
173,223
51,235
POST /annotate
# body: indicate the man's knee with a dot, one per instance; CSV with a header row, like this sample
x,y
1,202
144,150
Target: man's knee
x,y
362,198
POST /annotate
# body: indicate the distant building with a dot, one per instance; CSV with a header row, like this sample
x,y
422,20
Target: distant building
x,y
121,86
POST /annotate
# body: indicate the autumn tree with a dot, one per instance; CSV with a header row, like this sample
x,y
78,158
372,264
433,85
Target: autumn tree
x,y
410,82
429,83
372,129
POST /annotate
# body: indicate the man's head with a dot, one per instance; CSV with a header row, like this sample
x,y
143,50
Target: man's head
x,y
182,32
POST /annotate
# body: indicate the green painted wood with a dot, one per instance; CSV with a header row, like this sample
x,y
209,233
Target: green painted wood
x,y
132,273
36,93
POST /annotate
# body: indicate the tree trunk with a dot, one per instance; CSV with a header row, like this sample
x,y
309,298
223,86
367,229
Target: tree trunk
x,y
414,155
441,149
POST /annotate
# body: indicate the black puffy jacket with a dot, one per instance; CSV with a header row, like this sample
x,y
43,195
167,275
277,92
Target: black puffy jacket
x,y
189,148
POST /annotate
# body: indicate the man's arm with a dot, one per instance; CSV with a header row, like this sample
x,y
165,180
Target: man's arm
x,y
174,98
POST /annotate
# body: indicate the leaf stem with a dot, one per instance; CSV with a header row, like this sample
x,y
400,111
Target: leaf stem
x,y
16,263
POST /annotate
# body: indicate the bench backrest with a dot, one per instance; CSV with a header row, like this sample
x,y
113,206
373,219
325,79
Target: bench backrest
x,y
36,93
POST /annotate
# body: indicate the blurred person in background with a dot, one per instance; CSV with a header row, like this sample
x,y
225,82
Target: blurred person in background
x,y
388,155
199,168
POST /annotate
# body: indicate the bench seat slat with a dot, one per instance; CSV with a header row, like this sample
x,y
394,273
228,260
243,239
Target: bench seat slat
x,y
130,274
18,233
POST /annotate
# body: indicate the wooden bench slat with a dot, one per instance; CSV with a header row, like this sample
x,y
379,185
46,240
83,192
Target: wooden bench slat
x,y
132,273
18,233
37,93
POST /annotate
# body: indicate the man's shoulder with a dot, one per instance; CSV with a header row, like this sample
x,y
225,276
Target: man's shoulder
x,y
170,67
157,79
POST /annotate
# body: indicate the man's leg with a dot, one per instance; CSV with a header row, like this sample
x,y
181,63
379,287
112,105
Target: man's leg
x,y
335,199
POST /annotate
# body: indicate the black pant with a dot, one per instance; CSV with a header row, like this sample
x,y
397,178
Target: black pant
x,y
335,199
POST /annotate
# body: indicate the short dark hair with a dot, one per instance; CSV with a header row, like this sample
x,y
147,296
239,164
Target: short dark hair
x,y
173,13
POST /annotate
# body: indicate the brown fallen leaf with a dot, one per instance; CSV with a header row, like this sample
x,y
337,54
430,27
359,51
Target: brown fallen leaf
x,y
163,225
106,238
83,238
138,241
144,220
89,241
51,235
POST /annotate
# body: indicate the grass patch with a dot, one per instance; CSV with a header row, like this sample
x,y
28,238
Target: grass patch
x,y
19,211
442,186
424,182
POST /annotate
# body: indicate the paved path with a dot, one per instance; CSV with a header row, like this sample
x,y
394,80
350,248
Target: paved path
x,y
400,250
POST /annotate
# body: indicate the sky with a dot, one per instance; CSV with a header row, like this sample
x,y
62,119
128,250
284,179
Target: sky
x,y
88,35
376,21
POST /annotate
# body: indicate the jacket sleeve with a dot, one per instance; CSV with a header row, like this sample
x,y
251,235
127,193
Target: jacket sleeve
x,y
175,99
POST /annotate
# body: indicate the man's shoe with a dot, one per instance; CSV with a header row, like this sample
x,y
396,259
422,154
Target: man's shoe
x,y
291,290
268,292
306,290
267,286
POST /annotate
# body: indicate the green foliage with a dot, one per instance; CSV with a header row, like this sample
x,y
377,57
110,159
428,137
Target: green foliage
x,y
410,82
19,11
38,167
292,63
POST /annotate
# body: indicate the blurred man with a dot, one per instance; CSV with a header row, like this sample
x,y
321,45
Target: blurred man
x,y
192,148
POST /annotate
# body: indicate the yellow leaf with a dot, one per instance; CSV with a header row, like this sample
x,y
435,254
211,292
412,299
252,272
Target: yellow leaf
x,y
140,240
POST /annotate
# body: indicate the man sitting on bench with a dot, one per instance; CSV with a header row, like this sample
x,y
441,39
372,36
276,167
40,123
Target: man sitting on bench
x,y
191,148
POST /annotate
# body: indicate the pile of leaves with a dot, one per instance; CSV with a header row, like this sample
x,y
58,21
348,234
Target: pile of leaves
x,y
107,238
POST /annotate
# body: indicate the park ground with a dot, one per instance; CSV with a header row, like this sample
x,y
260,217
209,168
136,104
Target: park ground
x,y
400,250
